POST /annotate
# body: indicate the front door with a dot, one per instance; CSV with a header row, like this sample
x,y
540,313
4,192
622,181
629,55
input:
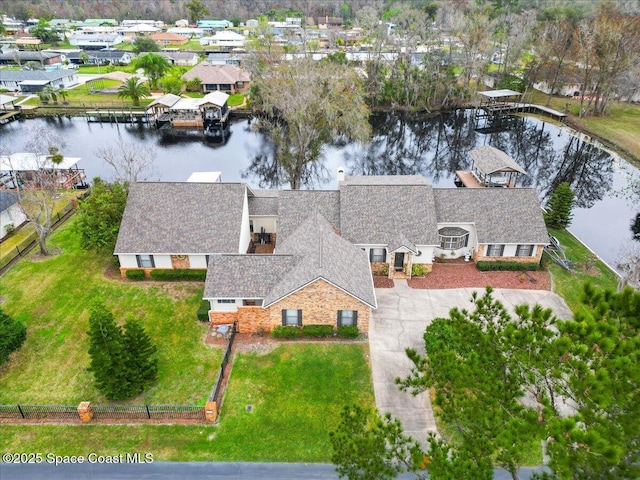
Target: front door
x,y
398,263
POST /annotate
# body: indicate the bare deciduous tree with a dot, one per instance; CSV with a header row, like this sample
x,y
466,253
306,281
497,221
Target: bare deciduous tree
x,y
628,264
131,162
38,189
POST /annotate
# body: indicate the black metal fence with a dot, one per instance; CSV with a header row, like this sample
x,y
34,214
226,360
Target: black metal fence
x,y
39,412
147,412
216,391
103,412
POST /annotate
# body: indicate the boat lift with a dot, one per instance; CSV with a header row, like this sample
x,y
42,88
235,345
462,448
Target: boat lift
x,y
556,252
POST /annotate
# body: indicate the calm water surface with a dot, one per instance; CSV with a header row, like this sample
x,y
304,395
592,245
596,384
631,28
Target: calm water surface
x,y
431,146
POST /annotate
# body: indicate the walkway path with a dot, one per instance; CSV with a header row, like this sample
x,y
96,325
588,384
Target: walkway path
x,y
399,322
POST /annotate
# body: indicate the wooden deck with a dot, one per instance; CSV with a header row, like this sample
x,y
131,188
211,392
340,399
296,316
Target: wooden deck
x,y
521,107
468,179
9,116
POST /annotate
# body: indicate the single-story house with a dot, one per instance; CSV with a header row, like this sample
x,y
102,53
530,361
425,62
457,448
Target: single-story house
x,y
11,215
169,39
224,41
214,24
226,78
108,57
297,257
330,22
95,41
32,81
235,59
138,30
182,59
97,22
22,56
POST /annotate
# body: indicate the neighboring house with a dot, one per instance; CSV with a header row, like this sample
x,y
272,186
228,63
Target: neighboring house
x,y
225,41
98,22
214,24
329,22
8,102
169,39
10,212
291,257
226,78
138,30
109,57
22,56
235,59
186,31
32,81
182,59
95,41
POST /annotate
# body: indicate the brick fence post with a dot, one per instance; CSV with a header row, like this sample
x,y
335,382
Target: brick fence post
x,y
85,412
211,411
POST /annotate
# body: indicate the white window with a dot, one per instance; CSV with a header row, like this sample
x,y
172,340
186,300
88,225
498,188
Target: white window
x,y
495,250
377,255
347,318
292,317
524,251
453,238
226,300
145,261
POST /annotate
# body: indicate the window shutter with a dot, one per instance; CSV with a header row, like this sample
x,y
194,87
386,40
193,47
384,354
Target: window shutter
x,y
371,254
299,318
339,318
355,318
284,318
153,262
501,250
466,240
138,261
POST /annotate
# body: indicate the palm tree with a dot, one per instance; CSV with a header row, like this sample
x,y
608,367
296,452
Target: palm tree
x,y
154,67
134,89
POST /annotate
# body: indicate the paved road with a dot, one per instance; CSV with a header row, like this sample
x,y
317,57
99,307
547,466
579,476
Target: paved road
x,y
191,471
399,322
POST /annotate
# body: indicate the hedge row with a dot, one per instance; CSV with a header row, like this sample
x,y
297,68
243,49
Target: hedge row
x,y
203,311
314,331
486,266
135,274
178,274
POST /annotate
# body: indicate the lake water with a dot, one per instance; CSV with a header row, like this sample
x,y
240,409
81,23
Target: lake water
x,y
434,147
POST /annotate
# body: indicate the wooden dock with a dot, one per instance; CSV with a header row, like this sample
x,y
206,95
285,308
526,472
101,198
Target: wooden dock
x,y
109,115
519,107
10,116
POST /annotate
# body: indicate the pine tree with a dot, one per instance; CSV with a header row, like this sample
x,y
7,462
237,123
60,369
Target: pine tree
x,y
107,352
12,335
558,214
142,363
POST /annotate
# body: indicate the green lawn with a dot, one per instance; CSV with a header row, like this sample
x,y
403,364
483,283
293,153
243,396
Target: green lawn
x,y
296,391
569,285
51,296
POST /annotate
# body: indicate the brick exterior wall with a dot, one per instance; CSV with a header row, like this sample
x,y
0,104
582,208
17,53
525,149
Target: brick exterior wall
x,y
479,255
223,318
253,320
320,302
180,263
406,266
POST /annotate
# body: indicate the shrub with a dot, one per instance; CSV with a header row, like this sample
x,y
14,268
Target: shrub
x,y
348,331
9,229
12,335
382,270
203,311
135,274
419,269
170,274
486,266
286,332
442,335
317,331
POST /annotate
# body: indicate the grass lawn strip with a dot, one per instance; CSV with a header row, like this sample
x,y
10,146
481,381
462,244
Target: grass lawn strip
x,y
296,391
52,296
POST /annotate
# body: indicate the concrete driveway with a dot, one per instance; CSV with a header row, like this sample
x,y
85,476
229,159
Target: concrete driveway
x,y
399,322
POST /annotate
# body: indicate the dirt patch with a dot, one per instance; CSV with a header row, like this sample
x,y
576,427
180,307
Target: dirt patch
x,y
38,257
468,276
382,282
261,345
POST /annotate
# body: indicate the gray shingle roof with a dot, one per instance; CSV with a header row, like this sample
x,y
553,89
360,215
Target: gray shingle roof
x,y
489,160
385,180
377,214
324,254
295,206
181,218
22,75
264,202
245,276
6,199
501,215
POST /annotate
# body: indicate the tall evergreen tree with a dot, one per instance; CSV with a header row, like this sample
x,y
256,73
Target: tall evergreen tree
x,y
12,335
558,214
142,363
107,352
